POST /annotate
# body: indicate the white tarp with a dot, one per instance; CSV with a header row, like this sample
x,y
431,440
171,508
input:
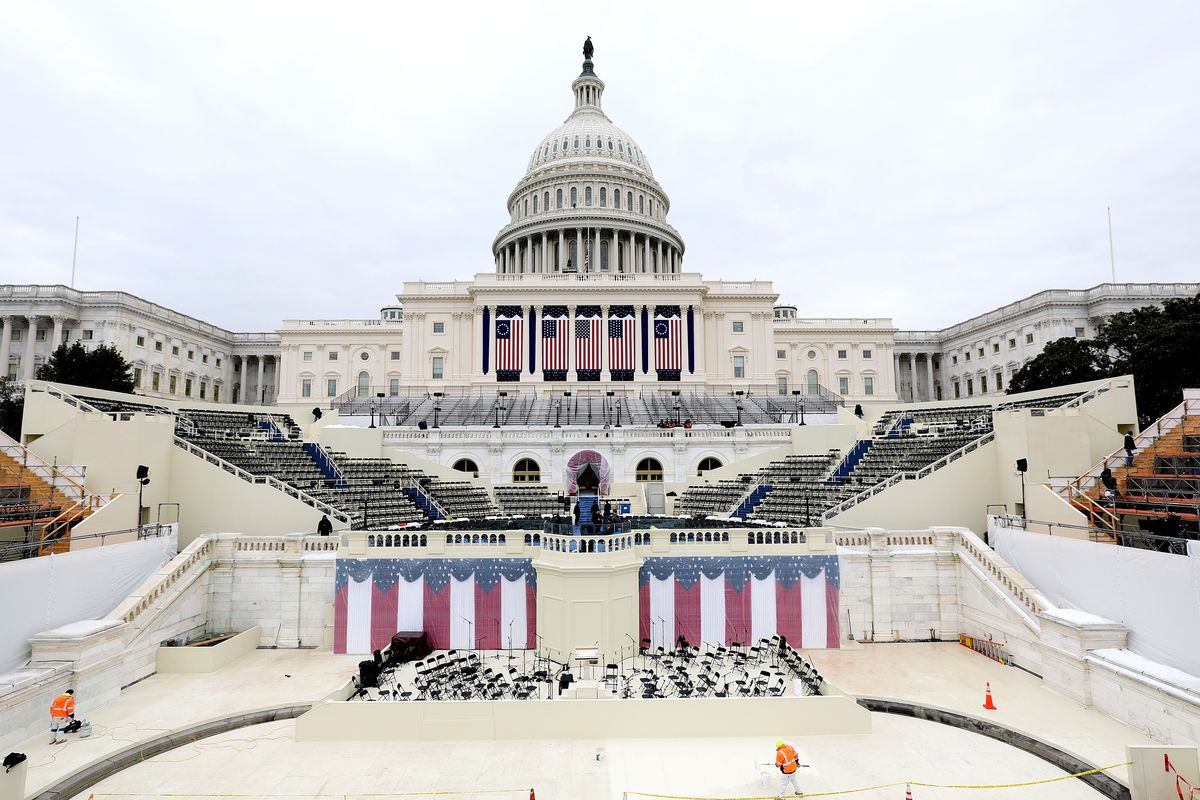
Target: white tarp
x,y
51,591
1157,595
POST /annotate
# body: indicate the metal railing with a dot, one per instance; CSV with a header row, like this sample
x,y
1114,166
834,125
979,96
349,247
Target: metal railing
x,y
1176,545
249,477
10,551
50,474
910,475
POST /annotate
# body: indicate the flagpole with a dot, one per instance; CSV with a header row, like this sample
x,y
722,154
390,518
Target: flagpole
x,y
75,251
1112,258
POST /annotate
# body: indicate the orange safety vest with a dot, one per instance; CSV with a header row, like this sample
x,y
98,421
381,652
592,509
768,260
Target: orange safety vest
x,y
63,706
786,759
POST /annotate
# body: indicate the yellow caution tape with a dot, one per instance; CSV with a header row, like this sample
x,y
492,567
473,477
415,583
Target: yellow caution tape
x,y
892,785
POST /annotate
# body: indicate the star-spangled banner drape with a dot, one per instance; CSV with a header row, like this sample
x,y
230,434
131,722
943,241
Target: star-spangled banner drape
x,y
742,599
487,603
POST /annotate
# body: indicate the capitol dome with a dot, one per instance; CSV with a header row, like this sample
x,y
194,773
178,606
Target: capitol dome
x,y
588,201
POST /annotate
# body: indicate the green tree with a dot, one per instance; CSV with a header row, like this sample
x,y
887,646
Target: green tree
x,y
12,408
1062,361
101,368
1158,345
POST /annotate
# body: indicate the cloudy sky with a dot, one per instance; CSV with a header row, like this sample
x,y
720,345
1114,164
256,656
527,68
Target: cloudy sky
x,y
251,162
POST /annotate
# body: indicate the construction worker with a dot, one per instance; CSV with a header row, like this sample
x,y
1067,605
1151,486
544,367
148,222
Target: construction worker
x,y
788,763
62,709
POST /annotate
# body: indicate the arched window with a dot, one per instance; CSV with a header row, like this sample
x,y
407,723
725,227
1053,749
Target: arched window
x,y
649,470
641,204
556,147
576,142
588,142
587,195
558,198
814,381
610,144
546,202
617,198
629,201
571,254
535,199
603,197
711,462
527,206
604,253
574,196
364,384
526,471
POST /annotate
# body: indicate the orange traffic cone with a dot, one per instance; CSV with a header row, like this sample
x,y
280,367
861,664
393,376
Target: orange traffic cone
x,y
908,791
987,700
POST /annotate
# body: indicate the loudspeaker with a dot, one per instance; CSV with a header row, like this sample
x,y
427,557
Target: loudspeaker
x,y
422,425
725,423
1022,465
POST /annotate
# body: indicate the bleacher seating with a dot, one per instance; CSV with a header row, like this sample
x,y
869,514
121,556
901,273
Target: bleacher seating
x,y
527,499
705,499
646,409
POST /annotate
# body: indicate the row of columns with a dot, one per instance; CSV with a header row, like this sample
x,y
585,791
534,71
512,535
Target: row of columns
x,y
629,252
31,330
921,389
257,397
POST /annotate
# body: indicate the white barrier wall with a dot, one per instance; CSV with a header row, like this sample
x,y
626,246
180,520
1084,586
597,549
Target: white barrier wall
x,y
1155,595
56,590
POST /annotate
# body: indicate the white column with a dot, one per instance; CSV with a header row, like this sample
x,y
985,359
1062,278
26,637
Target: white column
x,y
258,389
596,252
899,382
545,252
558,247
571,340
529,253
58,330
5,345
31,342
658,263
646,254
929,374
578,262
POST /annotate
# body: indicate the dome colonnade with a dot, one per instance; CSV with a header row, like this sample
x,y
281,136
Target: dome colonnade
x,y
588,202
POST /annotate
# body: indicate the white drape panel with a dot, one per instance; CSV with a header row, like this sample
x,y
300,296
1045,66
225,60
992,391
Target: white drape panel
x,y
813,622
410,605
513,622
712,610
762,608
358,616
1156,594
70,587
462,613
662,612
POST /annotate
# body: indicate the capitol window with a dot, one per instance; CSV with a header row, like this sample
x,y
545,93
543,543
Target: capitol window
x,y
394,355
204,358
983,384
739,366
574,196
649,470
174,349
1029,338
842,354
191,355
866,353
546,201
1012,344
621,147
995,347
141,341
306,387
556,147
558,198
812,354
641,204
137,377
603,197
629,201
738,326
616,198
364,355
158,346
333,355
393,387
843,386
781,354
526,206
868,386
576,142
438,367
307,355
535,199
587,142
439,327
214,392
331,387
587,195
87,336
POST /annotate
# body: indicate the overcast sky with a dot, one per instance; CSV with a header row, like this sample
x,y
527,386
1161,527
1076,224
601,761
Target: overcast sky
x,y
248,162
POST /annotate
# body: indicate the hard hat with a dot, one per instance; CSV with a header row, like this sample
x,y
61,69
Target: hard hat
x,y
779,742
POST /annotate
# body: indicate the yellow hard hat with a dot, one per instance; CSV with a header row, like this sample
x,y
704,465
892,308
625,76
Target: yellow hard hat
x,y
779,742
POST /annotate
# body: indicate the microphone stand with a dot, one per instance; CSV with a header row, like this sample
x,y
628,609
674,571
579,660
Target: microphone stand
x,y
471,633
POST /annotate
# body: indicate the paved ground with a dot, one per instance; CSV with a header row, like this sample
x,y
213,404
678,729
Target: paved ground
x,y
264,761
